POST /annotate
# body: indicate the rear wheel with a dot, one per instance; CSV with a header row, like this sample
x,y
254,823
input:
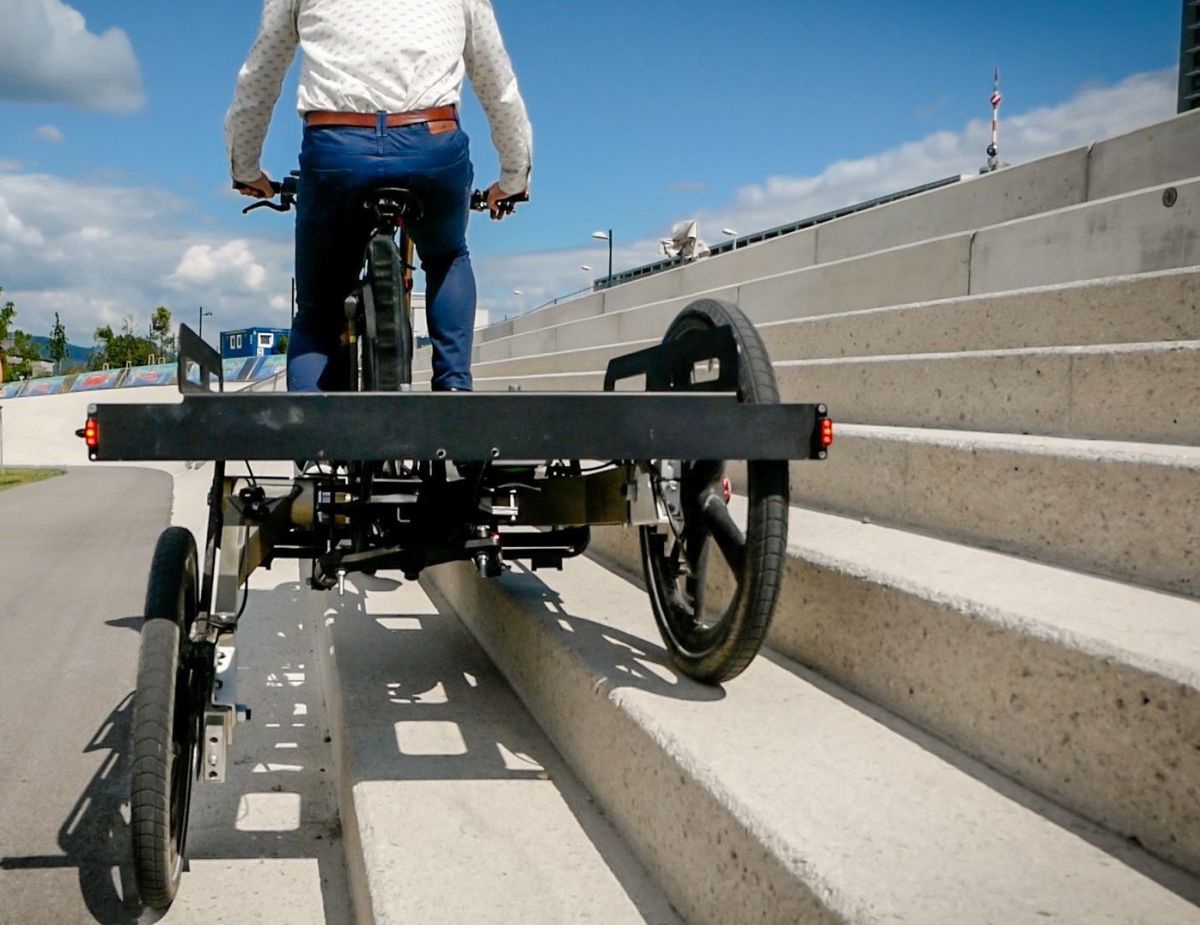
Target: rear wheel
x,y
714,571
387,355
168,714
387,365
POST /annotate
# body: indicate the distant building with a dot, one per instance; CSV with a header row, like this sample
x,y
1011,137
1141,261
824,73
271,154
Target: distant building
x,y
251,342
1189,57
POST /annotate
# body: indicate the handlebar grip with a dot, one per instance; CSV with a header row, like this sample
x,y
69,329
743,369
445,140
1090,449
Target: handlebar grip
x,y
276,187
479,202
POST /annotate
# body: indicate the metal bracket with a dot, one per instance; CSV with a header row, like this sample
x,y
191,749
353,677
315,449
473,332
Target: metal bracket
x,y
668,366
194,350
221,713
641,505
251,523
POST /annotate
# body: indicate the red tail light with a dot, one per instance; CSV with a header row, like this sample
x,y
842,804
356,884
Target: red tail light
x,y
826,432
91,434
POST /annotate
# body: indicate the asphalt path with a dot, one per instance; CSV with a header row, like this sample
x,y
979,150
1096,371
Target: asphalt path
x,y
74,555
265,847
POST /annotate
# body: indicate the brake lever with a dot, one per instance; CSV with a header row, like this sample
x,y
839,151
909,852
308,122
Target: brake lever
x,y
266,204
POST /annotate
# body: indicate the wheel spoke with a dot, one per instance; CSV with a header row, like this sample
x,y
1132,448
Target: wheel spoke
x,y
697,555
729,537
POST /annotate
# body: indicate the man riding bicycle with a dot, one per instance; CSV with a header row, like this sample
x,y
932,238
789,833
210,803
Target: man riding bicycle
x,y
379,94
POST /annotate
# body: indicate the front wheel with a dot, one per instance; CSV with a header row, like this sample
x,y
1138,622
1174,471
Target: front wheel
x,y
713,572
168,714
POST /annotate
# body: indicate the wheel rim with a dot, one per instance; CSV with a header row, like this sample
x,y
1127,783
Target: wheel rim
x,y
187,727
186,737
696,563
713,572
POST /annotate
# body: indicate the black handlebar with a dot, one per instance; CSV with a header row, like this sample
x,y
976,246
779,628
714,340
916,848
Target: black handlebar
x,y
479,202
286,191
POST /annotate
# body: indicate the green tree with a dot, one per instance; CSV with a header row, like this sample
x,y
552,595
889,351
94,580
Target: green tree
x,y
100,340
7,314
121,349
281,345
160,330
58,343
15,359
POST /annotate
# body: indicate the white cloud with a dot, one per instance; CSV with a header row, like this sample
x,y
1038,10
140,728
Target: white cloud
x,y
14,232
1093,114
96,252
47,55
229,264
50,133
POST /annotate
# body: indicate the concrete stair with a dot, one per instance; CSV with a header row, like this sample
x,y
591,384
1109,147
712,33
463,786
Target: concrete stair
x,y
784,797
980,699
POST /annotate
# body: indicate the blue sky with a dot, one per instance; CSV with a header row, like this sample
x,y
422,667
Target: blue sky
x,y
644,113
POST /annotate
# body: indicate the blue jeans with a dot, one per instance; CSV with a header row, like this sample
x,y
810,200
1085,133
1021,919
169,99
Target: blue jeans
x,y
338,167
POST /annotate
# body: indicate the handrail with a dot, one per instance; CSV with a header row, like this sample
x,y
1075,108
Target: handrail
x,y
661,266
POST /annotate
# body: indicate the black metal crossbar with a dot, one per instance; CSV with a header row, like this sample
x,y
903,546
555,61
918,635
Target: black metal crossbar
x,y
457,426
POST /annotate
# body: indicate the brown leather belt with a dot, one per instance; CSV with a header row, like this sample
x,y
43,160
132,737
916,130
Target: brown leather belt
x,y
439,118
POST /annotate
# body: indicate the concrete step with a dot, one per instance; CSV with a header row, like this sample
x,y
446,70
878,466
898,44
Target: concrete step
x,y
929,270
1147,157
782,797
455,806
1152,156
1151,229
1124,309
1082,689
1127,309
1133,392
1126,510
1123,510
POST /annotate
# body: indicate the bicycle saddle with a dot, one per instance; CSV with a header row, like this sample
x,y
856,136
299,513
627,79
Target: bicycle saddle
x,y
392,204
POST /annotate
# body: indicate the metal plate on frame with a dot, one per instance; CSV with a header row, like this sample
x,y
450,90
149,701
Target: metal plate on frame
x,y
458,426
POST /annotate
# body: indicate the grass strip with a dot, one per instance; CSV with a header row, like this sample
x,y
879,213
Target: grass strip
x,y
10,477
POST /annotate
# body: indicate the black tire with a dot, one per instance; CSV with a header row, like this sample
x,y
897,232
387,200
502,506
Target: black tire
x,y
706,646
167,721
388,365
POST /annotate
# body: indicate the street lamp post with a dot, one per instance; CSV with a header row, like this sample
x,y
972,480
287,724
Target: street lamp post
x,y
602,236
733,234
202,315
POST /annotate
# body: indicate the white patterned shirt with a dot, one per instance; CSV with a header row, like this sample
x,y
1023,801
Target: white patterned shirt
x,y
369,56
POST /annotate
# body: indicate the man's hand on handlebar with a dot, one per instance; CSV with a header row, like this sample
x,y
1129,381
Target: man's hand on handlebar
x,y
259,189
500,203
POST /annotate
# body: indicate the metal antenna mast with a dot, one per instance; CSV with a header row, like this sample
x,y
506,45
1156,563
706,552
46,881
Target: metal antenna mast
x,y
993,149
